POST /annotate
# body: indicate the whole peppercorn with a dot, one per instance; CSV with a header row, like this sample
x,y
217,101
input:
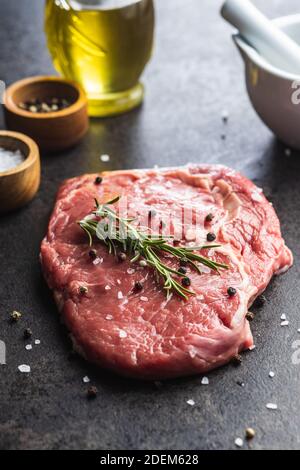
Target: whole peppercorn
x,y
98,180
209,217
250,433
231,291
15,316
250,316
186,282
83,290
183,262
122,257
237,360
27,333
182,270
211,237
93,254
92,392
138,286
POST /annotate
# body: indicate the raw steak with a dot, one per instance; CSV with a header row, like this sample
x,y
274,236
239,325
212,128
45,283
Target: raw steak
x,y
144,334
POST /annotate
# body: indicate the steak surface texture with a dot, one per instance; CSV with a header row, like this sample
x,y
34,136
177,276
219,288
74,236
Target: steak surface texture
x,y
139,332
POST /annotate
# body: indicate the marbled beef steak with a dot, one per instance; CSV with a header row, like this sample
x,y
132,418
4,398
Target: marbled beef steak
x,y
142,333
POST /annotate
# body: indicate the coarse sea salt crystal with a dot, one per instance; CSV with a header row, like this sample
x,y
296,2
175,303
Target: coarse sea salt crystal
x,y
271,374
122,334
192,352
107,287
298,330
285,323
119,282
28,347
97,261
109,317
252,347
37,341
24,369
144,299
130,271
271,406
10,159
283,316
120,295
239,442
86,379
255,196
204,269
191,402
205,381
104,158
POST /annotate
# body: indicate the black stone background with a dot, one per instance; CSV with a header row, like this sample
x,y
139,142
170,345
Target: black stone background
x,y
195,74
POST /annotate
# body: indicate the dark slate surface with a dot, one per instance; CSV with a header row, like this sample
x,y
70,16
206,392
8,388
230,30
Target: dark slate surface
x,y
194,75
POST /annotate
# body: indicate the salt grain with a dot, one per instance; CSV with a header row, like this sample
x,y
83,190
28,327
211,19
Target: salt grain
x,y
97,261
283,316
252,347
10,159
144,299
120,295
86,380
119,282
130,271
239,442
109,317
107,288
122,334
205,381
28,347
191,402
105,158
24,369
271,406
37,341
271,374
285,323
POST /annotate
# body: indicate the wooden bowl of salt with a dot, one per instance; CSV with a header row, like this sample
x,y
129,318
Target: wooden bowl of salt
x,y
19,170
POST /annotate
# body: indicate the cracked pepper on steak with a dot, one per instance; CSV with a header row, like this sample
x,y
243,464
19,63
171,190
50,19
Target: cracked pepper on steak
x,y
140,333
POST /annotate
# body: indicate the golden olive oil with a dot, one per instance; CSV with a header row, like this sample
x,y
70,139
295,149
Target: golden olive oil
x,y
104,45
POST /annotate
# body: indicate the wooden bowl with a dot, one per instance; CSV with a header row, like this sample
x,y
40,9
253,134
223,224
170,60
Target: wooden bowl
x,y
19,184
52,131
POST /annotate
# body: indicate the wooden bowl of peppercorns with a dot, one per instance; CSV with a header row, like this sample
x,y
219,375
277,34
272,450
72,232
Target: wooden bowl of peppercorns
x,y
51,110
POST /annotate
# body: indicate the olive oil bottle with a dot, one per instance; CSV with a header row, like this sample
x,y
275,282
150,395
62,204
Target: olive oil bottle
x,y
104,45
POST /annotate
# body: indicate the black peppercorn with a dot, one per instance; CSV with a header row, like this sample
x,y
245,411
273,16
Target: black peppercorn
x,y
209,217
92,392
237,360
186,282
122,257
182,270
183,262
83,290
231,291
93,254
138,286
27,333
250,316
211,237
98,180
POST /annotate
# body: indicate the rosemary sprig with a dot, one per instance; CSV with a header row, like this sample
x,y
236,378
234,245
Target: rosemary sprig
x,y
117,232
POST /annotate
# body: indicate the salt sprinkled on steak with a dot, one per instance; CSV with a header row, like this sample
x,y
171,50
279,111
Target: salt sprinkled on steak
x,y
162,338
